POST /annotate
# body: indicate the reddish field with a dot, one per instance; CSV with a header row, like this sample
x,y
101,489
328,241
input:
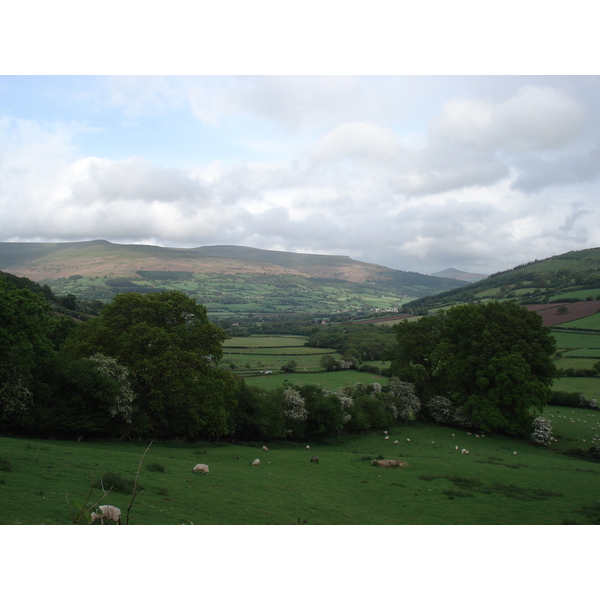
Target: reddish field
x,y
575,310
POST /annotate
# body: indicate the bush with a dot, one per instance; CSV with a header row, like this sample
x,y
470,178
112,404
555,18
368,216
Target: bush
x,y
156,467
116,483
542,431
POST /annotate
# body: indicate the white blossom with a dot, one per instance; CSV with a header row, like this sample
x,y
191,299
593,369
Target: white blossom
x,y
123,402
296,405
542,431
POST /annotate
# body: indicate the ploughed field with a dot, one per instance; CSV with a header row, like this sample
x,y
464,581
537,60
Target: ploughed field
x,y
440,485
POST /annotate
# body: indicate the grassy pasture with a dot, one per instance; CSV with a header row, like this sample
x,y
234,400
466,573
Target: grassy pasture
x,y
588,386
491,485
327,379
265,341
591,322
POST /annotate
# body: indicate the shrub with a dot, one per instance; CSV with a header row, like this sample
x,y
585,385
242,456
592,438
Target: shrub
x,y
156,467
542,431
116,483
439,409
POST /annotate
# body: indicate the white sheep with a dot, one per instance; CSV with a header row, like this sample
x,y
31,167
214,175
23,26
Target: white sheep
x,y
395,441
256,462
408,439
385,433
108,512
201,469
456,447
515,452
307,447
464,451
265,448
387,437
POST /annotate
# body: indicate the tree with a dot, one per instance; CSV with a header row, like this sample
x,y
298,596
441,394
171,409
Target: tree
x,y
492,361
290,366
171,349
26,329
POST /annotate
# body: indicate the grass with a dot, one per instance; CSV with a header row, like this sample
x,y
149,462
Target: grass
x,y
491,485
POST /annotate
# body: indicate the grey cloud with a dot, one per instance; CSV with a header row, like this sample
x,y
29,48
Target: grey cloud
x,y
538,172
135,179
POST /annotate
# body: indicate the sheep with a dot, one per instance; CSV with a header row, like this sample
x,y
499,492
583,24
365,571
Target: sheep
x,y
395,441
108,512
201,469
307,447
515,452
256,462
456,447
387,437
408,439
314,459
385,433
464,451
265,448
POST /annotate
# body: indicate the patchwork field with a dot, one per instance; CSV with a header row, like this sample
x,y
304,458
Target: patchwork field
x,y
490,485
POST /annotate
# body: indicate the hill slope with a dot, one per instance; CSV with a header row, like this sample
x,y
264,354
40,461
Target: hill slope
x,y
572,276
232,279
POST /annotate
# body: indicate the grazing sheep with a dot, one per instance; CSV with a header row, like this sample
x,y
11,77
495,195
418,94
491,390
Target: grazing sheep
x,y
387,437
256,462
456,447
108,512
307,447
265,448
464,451
408,439
201,469
515,452
395,441
314,459
385,433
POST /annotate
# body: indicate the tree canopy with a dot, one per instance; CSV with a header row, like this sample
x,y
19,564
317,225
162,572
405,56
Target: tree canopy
x,y
171,349
492,361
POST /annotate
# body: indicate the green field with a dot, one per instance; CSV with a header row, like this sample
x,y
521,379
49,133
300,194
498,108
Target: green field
x,y
331,380
588,386
491,485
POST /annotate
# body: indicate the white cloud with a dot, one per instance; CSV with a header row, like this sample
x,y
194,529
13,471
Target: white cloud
x,y
401,172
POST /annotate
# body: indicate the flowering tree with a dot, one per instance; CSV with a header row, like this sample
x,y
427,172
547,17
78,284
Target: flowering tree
x,y
542,431
123,401
405,398
439,409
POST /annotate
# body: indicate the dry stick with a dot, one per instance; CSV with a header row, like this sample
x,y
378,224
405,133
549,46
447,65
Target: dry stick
x,y
136,480
84,505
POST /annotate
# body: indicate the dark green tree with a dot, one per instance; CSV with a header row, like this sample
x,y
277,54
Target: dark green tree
x,y
26,329
493,361
171,350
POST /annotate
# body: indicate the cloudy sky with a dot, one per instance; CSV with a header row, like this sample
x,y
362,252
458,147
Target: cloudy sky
x,y
415,172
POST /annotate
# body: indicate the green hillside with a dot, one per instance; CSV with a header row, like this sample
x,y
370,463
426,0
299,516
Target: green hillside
x,y
571,276
230,280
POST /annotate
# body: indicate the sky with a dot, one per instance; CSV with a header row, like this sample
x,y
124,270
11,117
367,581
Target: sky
x,y
417,171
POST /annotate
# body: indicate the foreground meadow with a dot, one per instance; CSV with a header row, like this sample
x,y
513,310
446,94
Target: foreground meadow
x,y
440,485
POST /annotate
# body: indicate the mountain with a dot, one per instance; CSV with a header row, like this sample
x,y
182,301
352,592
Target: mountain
x,y
230,279
461,275
572,276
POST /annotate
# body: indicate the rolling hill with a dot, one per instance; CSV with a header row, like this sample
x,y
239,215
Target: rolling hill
x,y
570,277
227,279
